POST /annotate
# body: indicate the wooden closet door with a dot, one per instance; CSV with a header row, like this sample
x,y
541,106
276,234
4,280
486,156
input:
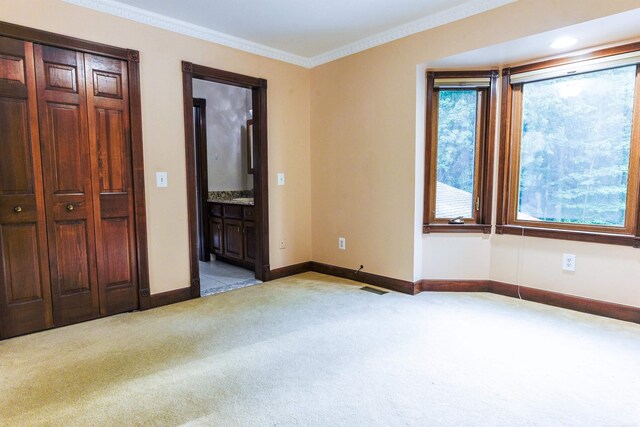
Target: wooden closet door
x,y
64,141
109,135
25,295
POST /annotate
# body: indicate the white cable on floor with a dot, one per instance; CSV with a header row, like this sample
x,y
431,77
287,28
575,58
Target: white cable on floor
x,y
520,260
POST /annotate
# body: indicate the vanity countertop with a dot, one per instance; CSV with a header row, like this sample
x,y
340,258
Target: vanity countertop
x,y
246,201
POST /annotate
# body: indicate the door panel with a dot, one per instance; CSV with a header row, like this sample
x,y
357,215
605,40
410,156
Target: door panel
x,y
116,244
72,259
215,229
108,115
26,298
16,176
64,142
22,269
12,67
249,232
111,150
61,77
25,295
232,238
107,83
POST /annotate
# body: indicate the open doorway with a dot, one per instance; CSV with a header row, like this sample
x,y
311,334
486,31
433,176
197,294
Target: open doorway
x,y
226,150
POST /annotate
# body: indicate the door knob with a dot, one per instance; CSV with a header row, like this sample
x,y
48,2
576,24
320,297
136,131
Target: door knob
x,y
69,208
18,209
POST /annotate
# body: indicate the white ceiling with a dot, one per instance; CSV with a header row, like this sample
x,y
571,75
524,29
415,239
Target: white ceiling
x,y
306,33
609,30
305,28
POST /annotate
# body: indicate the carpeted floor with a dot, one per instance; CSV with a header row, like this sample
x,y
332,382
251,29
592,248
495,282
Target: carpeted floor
x,y
312,350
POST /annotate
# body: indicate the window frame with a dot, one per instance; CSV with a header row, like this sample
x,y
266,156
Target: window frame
x,y
484,159
509,164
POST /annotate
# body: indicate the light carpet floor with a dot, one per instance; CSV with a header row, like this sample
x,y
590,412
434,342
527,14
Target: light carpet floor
x,y
313,350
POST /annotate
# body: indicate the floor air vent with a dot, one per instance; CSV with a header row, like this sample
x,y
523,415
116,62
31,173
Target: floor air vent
x,y
373,290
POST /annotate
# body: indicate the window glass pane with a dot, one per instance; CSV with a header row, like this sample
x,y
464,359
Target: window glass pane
x,y
456,153
574,157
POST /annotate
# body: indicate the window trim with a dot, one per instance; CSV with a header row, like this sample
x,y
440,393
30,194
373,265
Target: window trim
x,y
484,164
509,164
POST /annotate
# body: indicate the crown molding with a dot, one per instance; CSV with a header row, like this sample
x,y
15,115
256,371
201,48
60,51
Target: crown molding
x,y
181,27
456,13
464,10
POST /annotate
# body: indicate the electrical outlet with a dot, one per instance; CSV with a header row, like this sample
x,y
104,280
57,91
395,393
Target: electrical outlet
x,y
281,244
280,178
568,262
342,243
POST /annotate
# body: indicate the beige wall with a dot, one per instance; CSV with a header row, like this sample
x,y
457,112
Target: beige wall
x,y
603,272
363,163
367,134
163,129
456,256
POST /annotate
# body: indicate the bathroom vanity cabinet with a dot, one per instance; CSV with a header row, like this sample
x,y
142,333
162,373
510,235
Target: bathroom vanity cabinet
x,y
232,232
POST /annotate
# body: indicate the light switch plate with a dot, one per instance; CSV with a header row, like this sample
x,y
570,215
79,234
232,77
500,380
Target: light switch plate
x,y
162,179
280,178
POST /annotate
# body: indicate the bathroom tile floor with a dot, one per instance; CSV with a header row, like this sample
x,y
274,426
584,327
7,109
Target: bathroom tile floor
x,y
217,276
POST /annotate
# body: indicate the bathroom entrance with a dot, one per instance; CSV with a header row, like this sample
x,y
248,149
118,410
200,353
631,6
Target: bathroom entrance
x,y
227,183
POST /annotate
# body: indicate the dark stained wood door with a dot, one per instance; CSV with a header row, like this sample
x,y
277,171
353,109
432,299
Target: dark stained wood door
x,y
202,181
25,296
71,248
66,160
111,175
